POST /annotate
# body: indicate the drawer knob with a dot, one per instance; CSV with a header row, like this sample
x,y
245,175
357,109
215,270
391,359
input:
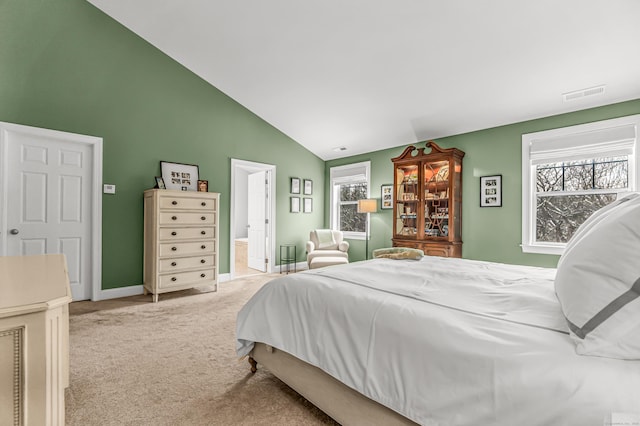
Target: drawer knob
x,y
174,279
174,248
202,275
174,233
203,204
173,263
174,217
203,261
203,217
203,247
203,232
174,202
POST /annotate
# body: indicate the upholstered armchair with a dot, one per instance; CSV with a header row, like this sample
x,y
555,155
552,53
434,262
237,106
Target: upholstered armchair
x,y
326,247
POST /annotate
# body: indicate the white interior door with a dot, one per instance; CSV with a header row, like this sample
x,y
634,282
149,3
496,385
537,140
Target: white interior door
x,y
257,214
47,194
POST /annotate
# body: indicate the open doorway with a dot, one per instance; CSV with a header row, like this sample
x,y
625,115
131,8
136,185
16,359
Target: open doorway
x,y
252,221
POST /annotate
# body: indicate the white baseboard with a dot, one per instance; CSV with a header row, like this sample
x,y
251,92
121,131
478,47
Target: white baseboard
x,y
134,290
114,293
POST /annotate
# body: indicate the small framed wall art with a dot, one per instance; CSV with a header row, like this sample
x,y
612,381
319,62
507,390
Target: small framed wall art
x,y
491,191
386,197
308,187
203,186
295,186
308,205
182,177
294,204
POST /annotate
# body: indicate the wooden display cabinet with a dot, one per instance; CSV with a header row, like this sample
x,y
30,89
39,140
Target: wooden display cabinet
x,y
427,200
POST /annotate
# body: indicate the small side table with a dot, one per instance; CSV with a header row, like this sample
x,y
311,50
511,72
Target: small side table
x,y
288,256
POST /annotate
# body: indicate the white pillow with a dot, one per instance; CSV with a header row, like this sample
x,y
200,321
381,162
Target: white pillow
x,y
598,282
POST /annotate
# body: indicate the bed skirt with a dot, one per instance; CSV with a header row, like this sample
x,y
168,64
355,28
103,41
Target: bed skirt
x,y
340,402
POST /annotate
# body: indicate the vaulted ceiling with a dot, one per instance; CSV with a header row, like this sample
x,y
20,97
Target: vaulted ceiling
x,y
346,77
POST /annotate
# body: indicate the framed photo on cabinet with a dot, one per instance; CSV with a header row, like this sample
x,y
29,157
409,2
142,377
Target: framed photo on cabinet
x,y
182,177
160,183
491,191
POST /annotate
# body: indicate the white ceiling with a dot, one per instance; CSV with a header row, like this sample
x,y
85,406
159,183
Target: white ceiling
x,y
372,74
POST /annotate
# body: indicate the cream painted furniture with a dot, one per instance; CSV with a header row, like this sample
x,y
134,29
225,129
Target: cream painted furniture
x,y
180,240
34,339
342,403
337,251
322,261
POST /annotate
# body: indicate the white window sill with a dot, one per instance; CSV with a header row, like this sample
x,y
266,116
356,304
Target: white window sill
x,y
354,236
556,249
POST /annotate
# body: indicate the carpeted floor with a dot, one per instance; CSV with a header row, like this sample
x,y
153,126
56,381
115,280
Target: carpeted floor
x,y
134,362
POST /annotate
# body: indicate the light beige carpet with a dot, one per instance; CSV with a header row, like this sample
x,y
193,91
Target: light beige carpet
x,y
173,363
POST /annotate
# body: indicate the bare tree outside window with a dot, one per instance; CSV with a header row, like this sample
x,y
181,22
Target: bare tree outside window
x,y
569,192
350,219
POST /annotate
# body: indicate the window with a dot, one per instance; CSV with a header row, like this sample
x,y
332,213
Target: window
x,y
349,184
569,173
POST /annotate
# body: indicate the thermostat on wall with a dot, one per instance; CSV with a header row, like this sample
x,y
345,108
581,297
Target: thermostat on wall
x,y
109,188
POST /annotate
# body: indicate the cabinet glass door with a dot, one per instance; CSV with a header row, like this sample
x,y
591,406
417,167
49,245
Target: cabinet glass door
x,y
436,199
407,199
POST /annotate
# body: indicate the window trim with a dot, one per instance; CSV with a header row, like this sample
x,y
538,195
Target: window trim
x,y
562,135
348,173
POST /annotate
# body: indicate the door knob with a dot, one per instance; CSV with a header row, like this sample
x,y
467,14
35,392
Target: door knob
x,y
14,232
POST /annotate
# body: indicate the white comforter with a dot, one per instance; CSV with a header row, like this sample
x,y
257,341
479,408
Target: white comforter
x,y
443,341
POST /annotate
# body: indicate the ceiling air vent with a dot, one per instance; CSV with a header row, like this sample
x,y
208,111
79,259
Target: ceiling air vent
x,y
578,94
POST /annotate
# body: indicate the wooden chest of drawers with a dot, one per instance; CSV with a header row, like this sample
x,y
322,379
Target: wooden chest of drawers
x,y
180,240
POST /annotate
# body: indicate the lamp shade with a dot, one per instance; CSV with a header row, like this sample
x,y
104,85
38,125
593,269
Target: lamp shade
x,y
367,205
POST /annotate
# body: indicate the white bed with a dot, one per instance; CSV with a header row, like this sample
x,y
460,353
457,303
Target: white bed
x,y
440,341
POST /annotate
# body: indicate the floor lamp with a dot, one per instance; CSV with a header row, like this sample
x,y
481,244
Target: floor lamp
x,y
367,206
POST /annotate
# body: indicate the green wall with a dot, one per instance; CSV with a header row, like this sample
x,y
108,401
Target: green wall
x,y
65,65
492,234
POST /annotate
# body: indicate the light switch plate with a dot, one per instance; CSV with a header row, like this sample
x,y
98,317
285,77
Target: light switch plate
x,y
109,188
